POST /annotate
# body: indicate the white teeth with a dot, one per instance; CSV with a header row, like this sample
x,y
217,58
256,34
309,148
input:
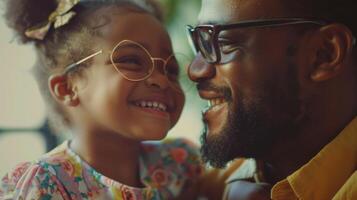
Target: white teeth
x,y
215,102
152,104
162,106
155,104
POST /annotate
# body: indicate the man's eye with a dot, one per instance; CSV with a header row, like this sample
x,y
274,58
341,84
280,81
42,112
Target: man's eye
x,y
228,45
227,48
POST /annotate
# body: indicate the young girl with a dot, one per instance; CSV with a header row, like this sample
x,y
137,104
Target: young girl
x,y
106,68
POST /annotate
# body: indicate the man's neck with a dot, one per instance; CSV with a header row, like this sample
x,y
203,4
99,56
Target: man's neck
x,y
290,155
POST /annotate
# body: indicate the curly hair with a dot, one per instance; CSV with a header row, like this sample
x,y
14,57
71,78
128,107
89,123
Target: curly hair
x,y
60,46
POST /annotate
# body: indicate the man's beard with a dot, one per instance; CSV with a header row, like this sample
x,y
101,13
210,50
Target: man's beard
x,y
249,131
246,133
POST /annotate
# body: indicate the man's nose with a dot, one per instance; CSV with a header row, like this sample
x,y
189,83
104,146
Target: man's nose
x,y
200,70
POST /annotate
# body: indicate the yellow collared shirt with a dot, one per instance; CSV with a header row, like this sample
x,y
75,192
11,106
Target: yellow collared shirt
x,y
331,174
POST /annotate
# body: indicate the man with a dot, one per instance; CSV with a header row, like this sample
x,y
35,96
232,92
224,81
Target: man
x,y
281,81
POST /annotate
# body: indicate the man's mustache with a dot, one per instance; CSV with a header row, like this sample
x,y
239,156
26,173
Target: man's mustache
x,y
222,90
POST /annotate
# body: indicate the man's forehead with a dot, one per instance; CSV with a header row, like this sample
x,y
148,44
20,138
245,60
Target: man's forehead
x,y
211,11
230,11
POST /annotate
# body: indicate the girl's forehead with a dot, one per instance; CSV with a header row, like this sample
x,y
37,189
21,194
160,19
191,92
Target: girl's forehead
x,y
141,27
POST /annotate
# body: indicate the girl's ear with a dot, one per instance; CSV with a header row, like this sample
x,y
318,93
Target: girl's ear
x,y
62,91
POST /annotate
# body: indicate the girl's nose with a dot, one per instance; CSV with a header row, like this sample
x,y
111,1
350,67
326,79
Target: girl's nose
x,y
158,78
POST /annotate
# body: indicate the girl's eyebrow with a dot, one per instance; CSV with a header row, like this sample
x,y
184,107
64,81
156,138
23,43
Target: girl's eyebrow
x,y
167,51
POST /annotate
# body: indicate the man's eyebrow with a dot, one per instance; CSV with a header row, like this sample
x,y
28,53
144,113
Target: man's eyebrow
x,y
208,23
235,35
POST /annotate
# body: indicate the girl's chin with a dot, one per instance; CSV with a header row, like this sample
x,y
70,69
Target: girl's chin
x,y
151,133
155,135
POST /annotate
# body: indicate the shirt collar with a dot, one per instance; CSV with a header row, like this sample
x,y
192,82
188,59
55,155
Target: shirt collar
x,y
324,174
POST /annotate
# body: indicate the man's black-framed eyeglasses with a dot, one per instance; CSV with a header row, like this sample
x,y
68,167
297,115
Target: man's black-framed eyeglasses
x,y
204,38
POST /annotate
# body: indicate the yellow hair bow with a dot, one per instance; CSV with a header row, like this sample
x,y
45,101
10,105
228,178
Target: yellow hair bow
x,y
61,16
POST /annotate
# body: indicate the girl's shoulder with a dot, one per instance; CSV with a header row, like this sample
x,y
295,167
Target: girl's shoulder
x,y
38,179
31,179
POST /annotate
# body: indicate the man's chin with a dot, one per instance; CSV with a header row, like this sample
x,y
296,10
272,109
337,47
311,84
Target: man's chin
x,y
215,149
233,141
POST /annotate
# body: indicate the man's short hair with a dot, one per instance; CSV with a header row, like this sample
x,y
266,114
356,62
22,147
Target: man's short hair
x,y
341,11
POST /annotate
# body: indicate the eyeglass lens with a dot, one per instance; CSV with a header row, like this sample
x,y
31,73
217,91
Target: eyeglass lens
x,y
135,63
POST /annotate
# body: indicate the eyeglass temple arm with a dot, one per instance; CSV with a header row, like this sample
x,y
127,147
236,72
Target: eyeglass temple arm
x,y
70,67
354,40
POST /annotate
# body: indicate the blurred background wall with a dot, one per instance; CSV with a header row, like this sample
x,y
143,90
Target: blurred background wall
x,y
24,134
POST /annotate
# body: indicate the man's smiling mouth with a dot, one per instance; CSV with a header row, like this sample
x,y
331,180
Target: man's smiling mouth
x,y
216,102
214,105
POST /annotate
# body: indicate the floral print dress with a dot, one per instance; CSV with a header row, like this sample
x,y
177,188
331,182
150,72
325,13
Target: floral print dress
x,y
167,168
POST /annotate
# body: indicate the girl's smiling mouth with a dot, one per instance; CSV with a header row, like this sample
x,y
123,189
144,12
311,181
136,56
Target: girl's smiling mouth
x,y
157,105
153,108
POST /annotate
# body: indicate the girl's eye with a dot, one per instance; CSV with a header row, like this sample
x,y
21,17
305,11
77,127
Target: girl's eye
x,y
128,60
133,63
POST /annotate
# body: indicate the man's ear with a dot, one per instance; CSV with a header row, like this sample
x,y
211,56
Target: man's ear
x,y
335,42
62,90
